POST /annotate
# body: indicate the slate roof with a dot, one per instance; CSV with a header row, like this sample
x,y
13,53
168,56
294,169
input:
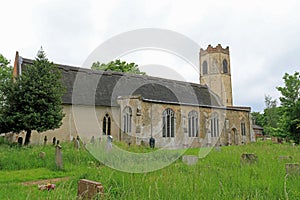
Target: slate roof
x,y
90,87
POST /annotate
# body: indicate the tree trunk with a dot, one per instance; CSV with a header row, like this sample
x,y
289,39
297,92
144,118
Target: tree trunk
x,y
27,137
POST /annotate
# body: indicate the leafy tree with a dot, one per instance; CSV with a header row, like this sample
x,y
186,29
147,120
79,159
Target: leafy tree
x,y
258,118
290,103
118,66
34,99
5,77
271,116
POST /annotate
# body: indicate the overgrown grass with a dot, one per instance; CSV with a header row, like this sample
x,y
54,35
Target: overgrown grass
x,y
220,175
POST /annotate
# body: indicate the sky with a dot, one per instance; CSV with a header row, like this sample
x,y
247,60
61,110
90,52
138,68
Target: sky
x,y
263,36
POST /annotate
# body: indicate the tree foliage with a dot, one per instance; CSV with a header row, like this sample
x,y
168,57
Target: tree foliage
x,y
118,66
290,103
5,77
34,99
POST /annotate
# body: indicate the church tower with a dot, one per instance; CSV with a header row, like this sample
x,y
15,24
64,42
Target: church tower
x,y
215,72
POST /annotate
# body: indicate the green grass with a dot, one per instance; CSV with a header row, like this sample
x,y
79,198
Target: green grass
x,y
220,175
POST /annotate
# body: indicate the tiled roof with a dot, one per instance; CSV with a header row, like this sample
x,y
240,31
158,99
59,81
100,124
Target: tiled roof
x,y
90,87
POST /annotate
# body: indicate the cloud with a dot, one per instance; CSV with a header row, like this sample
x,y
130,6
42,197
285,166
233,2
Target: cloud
x,y
263,36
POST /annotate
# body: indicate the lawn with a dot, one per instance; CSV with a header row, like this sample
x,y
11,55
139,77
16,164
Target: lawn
x,y
219,175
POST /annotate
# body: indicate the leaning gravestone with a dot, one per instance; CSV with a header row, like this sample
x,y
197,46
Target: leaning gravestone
x,y
249,158
190,159
58,157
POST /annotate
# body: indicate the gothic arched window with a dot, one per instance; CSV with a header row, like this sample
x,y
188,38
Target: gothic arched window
x,y
225,66
168,123
204,67
106,127
127,116
214,125
193,125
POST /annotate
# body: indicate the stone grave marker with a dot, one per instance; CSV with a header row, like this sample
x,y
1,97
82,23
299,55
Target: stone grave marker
x,y
292,168
58,157
281,158
88,189
248,158
42,155
190,159
217,148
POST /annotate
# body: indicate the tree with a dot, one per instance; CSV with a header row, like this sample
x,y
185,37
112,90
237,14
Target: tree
x,y
5,76
34,99
258,118
271,116
118,66
290,103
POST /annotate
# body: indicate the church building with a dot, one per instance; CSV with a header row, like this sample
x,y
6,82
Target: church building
x,y
134,108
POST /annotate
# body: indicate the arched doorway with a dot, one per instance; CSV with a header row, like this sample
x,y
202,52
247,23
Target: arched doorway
x,y
235,136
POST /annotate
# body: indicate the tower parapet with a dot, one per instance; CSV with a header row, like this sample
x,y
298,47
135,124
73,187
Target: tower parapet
x,y
217,49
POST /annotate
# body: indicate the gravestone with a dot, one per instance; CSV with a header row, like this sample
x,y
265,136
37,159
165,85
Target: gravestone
x,y
20,141
190,159
88,189
109,143
93,140
42,155
58,157
285,158
76,144
249,158
54,140
217,148
292,168
45,140
152,142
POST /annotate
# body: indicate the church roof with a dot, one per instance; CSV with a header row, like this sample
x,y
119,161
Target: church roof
x,y
103,88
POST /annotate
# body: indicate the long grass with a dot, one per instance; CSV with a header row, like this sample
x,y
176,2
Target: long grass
x,y
220,175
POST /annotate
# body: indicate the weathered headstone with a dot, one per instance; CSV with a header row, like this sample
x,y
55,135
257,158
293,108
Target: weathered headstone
x,y
76,143
152,142
93,140
217,148
292,168
54,140
45,140
42,155
285,158
88,189
249,158
58,157
190,159
109,143
20,141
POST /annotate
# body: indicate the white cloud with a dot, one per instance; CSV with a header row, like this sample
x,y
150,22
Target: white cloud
x,y
263,35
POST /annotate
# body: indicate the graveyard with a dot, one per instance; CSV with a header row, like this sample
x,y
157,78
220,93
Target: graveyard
x,y
254,171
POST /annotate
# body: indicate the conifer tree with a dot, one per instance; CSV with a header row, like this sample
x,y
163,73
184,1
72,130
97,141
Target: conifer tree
x,y
34,99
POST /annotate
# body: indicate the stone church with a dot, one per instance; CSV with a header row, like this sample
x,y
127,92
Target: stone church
x,y
134,108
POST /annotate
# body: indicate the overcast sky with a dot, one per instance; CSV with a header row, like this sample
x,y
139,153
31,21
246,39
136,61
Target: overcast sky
x,y
263,36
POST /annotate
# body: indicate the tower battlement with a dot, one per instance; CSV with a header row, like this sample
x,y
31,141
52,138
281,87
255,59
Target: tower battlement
x,y
217,49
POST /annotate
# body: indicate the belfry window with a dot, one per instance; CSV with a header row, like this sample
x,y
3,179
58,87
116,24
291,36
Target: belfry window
x,y
168,123
193,125
225,66
204,67
127,118
106,127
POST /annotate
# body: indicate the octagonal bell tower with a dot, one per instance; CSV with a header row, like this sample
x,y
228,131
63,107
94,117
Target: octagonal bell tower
x,y
215,72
